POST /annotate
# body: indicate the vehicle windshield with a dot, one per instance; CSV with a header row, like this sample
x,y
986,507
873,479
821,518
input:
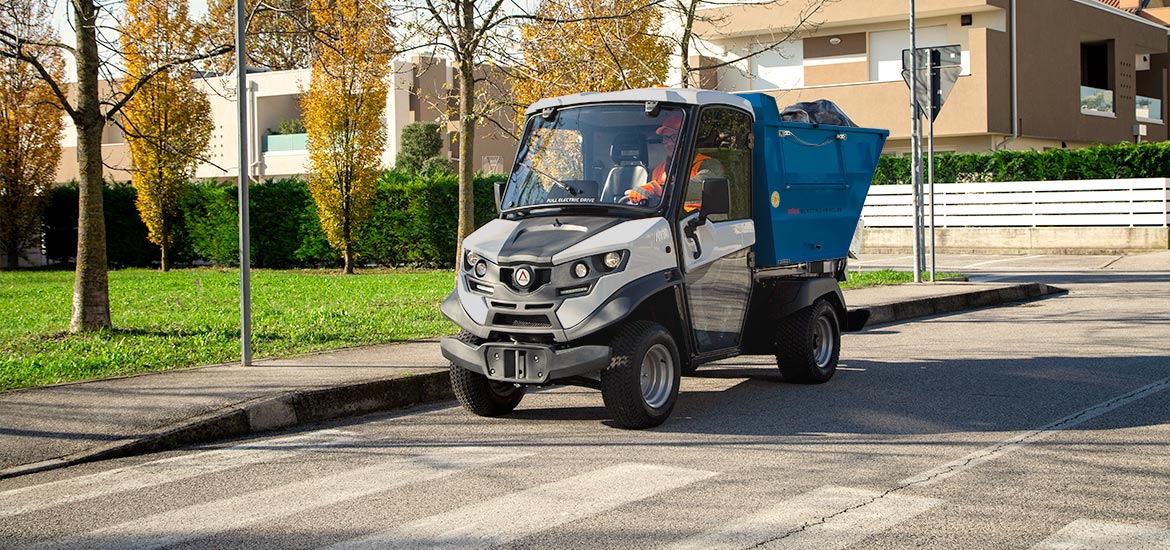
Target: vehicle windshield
x,y
598,155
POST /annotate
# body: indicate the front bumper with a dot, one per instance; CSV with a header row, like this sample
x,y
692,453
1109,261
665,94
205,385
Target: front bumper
x,y
524,363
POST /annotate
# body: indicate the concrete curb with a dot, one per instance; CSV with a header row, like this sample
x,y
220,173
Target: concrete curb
x,y
938,305
265,414
310,406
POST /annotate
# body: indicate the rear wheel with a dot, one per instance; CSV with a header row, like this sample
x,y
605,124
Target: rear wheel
x,y
480,395
641,384
808,344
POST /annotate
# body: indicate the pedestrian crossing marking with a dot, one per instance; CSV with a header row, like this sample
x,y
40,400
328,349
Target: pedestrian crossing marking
x,y
202,520
826,518
167,470
527,512
1088,534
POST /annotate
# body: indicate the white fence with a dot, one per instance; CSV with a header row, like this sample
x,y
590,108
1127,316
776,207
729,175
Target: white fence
x,y
1084,203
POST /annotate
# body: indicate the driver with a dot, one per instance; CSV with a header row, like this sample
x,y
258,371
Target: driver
x,y
702,167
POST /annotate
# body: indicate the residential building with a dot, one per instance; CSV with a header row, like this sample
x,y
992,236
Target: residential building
x,y
422,89
1035,74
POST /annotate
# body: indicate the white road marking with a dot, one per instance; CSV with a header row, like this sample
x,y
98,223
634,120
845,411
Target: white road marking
x,y
998,450
158,472
826,519
517,515
202,520
1099,535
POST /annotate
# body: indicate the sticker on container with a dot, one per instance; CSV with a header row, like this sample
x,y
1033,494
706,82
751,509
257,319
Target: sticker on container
x,y
775,199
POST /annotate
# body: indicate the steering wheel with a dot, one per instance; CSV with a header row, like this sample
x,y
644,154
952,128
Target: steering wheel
x,y
625,199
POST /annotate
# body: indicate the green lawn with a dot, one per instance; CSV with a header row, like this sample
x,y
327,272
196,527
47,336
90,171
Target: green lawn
x,y
888,277
192,316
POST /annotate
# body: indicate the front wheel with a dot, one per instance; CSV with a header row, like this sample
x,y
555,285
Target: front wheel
x,y
808,344
481,395
641,384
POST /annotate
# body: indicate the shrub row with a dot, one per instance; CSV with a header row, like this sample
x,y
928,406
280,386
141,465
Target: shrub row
x,y
1147,160
414,223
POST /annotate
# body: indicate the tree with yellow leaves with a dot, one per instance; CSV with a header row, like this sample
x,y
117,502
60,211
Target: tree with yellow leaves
x,y
168,122
582,46
343,110
30,139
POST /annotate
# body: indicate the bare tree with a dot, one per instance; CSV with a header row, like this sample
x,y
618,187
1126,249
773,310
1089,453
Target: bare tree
x,y
708,14
480,37
90,107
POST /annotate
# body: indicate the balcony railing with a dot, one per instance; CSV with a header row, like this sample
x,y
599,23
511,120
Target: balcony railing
x,y
1149,109
277,143
1096,100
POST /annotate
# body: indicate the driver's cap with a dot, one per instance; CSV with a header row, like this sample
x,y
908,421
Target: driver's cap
x,y
672,124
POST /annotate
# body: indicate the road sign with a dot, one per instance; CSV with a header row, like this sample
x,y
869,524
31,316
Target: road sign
x,y
938,70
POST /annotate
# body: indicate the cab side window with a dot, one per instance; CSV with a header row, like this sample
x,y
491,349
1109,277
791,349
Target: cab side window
x,y
723,149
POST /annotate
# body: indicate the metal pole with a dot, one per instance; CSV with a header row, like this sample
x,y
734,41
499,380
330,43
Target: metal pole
x,y
245,252
930,166
916,148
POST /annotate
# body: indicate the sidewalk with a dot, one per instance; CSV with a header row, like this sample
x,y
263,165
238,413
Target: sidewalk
x,y
55,426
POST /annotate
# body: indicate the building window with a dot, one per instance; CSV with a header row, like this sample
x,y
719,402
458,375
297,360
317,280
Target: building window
x,y
1097,78
781,67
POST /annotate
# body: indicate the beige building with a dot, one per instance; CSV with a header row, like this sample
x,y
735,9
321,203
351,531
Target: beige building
x,y
421,90
1069,73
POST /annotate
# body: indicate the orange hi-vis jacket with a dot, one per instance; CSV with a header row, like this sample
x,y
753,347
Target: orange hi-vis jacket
x,y
657,183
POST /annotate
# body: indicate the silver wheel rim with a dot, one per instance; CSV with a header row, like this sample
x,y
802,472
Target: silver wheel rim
x,y
657,376
823,341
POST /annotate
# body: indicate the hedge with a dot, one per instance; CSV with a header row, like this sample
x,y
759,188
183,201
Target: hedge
x,y
1147,160
414,223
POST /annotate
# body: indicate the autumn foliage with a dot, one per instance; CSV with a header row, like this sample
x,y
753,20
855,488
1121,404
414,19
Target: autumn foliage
x,y
168,122
30,142
590,46
343,116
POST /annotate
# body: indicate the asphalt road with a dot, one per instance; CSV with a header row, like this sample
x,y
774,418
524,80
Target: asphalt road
x,y
1039,425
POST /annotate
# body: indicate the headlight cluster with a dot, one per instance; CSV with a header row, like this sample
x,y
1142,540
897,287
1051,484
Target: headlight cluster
x,y
473,263
603,262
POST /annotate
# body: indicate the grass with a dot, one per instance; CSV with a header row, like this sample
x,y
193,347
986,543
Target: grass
x,y
888,277
191,317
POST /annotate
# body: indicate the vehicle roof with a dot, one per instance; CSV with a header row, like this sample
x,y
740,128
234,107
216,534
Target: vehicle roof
x,y
689,96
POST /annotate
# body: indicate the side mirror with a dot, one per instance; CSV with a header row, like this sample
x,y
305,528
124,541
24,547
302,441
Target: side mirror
x,y
499,192
716,198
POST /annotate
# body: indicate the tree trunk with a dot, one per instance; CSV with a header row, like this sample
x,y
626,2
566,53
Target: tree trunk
x,y
165,260
91,297
466,152
348,256
13,259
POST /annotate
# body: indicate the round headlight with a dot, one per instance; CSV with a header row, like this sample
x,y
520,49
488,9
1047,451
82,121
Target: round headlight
x,y
612,260
580,270
480,268
472,258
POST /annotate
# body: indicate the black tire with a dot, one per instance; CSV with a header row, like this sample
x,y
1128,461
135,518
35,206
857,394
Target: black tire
x,y
808,344
480,395
640,386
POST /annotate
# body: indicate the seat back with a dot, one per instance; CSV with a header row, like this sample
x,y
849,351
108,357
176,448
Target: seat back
x,y
629,154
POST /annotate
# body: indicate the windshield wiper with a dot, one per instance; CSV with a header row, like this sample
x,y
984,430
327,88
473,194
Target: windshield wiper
x,y
572,190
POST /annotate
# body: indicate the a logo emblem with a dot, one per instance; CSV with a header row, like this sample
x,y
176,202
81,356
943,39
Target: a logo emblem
x,y
775,199
522,277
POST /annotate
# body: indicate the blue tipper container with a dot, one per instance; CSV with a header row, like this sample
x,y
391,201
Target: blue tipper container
x,y
810,183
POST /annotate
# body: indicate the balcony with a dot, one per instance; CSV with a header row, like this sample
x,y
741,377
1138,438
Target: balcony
x,y
1148,109
1095,101
280,143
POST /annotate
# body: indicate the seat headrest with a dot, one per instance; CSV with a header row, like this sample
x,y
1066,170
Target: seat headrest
x,y
627,148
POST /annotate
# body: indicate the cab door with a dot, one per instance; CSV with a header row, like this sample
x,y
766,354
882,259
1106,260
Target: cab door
x,y
716,253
